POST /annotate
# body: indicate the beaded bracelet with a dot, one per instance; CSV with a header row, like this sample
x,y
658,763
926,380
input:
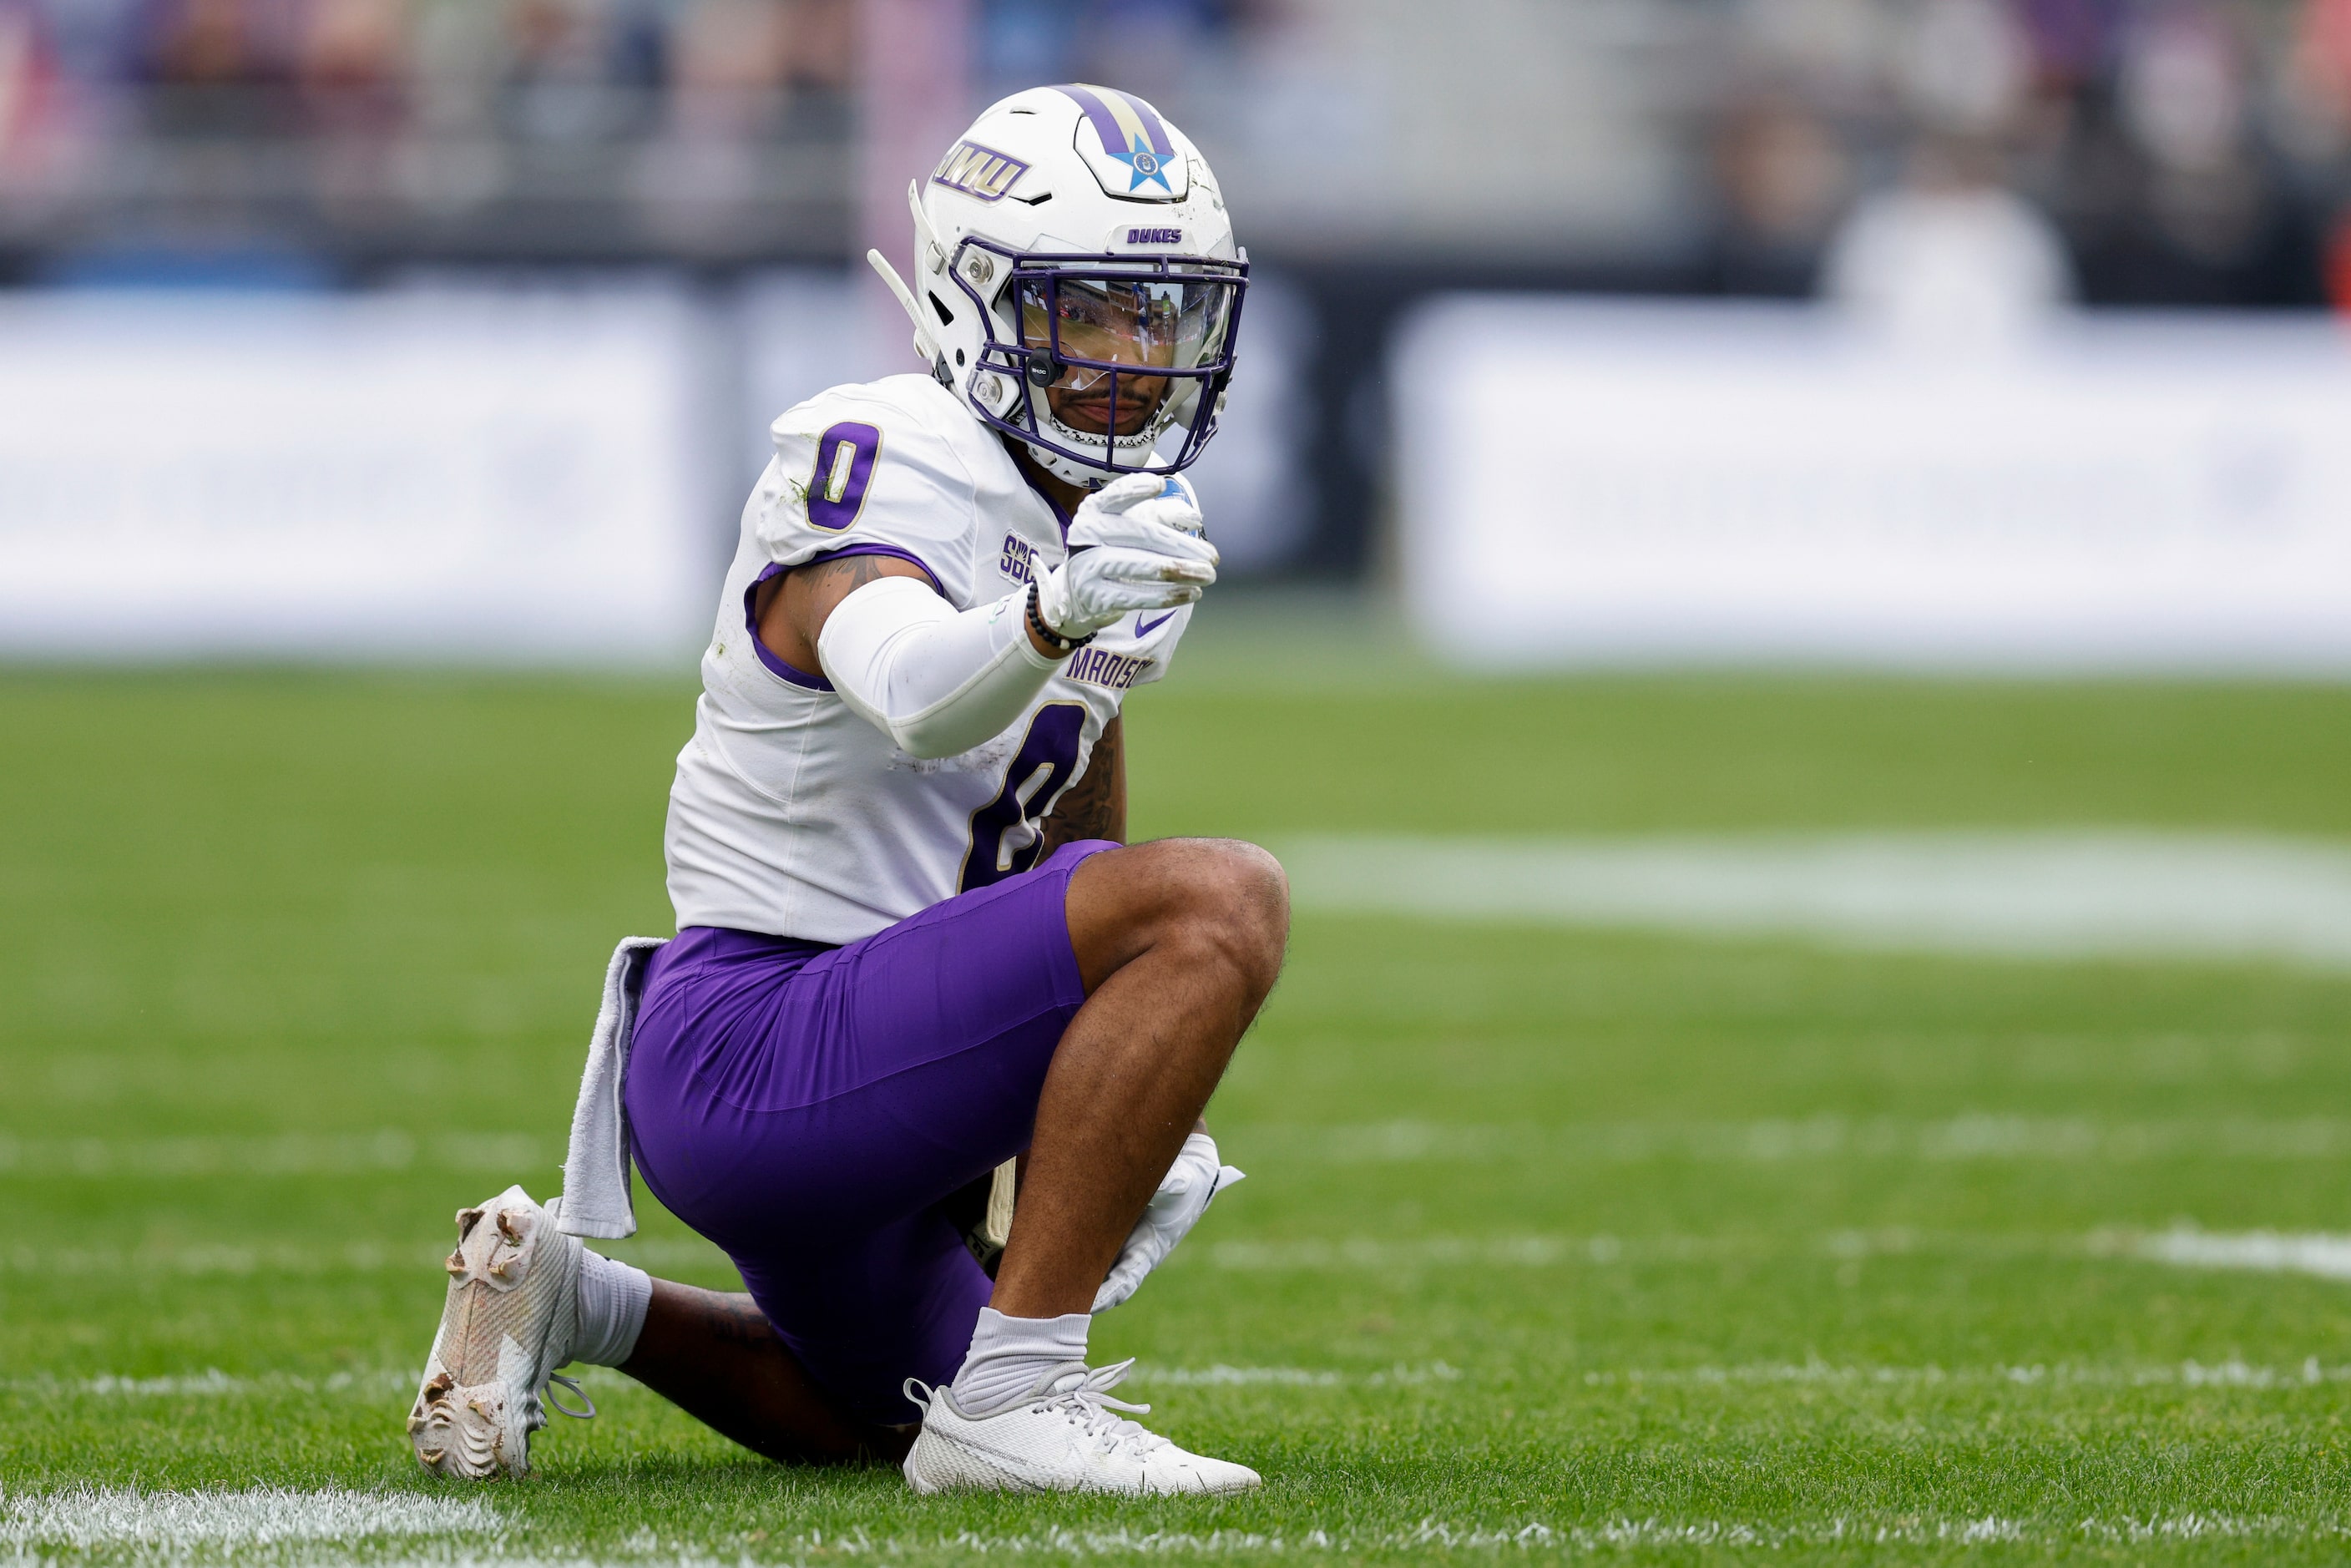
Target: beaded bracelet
x,y
1063,647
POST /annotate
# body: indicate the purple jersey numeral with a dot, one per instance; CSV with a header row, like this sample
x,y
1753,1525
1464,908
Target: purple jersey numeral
x,y
844,466
1050,748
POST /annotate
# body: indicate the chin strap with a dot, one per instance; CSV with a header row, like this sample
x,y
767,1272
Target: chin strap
x,y
924,344
929,257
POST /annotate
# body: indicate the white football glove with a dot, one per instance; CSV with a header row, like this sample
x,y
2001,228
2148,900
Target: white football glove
x,y
1183,1197
1136,544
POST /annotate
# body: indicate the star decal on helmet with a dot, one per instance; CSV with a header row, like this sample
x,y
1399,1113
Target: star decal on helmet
x,y
1145,164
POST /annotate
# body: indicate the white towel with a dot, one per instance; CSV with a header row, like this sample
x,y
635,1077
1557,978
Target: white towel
x,y
596,1168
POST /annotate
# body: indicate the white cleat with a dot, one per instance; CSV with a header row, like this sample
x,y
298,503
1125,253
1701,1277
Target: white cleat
x,y
511,1319
1063,1436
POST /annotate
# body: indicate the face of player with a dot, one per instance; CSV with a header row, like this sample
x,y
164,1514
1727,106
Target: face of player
x,y
1144,323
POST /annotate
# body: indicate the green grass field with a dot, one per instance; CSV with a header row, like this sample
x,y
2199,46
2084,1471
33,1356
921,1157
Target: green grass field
x,y
1545,1252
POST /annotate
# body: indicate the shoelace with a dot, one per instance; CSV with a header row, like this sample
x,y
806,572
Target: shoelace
x,y
1088,1402
553,1208
562,1409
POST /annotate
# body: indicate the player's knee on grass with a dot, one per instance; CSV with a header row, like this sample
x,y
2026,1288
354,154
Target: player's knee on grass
x,y
1228,899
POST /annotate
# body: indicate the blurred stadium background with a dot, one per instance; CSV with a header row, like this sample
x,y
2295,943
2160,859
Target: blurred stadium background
x,y
1789,590
505,278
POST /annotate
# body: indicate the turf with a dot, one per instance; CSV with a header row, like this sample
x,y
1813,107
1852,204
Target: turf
x,y
1555,1244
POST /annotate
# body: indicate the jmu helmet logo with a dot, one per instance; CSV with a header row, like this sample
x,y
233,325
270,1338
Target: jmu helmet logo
x,y
1138,158
1154,236
977,171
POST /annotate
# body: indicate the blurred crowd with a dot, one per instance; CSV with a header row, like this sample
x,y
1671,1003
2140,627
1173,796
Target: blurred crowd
x,y
304,120
539,69
2190,151
724,122
2126,150
551,69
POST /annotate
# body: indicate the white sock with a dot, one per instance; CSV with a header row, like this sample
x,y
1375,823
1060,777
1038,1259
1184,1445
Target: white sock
x,y
612,1302
1009,1354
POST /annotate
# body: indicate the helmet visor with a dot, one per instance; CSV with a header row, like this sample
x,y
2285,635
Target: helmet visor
x,y
1107,334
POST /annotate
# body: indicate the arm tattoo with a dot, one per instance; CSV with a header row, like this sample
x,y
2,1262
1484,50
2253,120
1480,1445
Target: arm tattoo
x,y
846,575
1095,806
816,586
735,1318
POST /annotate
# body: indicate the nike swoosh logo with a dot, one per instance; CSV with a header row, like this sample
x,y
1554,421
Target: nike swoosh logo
x,y
1146,628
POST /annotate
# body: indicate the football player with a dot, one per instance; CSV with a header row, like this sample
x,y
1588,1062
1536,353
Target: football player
x,y
912,945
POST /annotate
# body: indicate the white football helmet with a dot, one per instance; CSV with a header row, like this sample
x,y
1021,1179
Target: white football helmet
x,y
1073,242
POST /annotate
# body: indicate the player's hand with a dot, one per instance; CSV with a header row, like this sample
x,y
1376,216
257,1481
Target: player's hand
x,y
1136,544
1183,1197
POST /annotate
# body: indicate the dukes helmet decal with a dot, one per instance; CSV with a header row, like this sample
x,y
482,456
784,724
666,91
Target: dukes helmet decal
x,y
1126,144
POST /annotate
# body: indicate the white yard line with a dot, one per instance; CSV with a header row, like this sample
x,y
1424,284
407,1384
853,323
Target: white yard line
x,y
282,1155
173,1521
1976,1136
1591,1539
1397,1254
1979,1136
2263,1252
632,1556
2232,1373
359,1256
1389,1254
2310,1374
2047,894
1223,1376
213,1384
2324,1256
1603,1539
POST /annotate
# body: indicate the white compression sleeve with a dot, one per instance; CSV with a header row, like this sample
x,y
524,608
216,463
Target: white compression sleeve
x,y
934,679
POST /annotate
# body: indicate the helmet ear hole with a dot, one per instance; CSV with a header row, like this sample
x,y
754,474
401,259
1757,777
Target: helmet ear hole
x,y
939,307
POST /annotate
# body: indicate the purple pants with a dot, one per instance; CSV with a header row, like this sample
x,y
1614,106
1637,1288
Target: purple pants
x,y
807,1108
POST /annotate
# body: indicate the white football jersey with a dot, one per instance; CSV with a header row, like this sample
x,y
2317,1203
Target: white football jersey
x,y
793,816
